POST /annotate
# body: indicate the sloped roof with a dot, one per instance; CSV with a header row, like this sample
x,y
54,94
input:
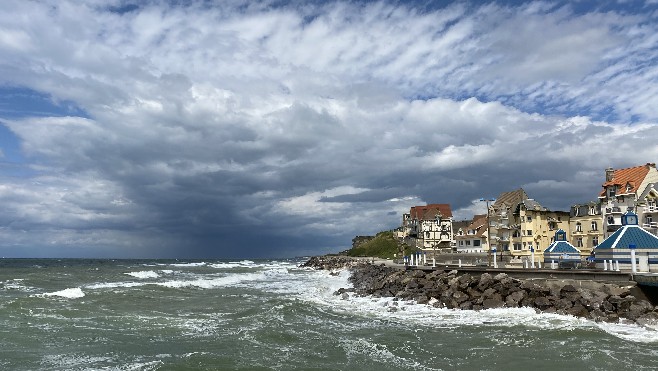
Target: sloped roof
x,y
627,235
561,247
632,176
531,204
651,188
430,211
476,225
510,199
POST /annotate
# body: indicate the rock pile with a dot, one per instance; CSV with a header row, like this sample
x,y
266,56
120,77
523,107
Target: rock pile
x,y
597,301
330,263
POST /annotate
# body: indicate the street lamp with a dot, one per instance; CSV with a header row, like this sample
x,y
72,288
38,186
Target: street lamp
x,y
488,230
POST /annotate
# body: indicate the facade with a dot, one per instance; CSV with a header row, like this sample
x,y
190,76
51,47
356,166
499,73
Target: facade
x,y
622,192
499,219
473,237
533,227
647,208
628,241
586,227
430,225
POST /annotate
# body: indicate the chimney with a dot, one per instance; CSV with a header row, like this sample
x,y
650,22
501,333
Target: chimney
x,y
609,174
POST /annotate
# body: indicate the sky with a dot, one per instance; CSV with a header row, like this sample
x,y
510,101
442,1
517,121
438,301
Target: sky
x,y
239,129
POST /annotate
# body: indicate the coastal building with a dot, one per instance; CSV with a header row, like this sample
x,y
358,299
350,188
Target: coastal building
x,y
430,226
586,227
629,189
533,227
629,240
473,238
560,251
647,208
499,219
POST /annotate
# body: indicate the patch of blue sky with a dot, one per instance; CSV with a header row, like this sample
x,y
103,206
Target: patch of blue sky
x,y
17,103
20,103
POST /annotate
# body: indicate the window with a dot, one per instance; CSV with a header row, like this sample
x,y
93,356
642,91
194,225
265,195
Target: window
x,y
529,232
427,234
595,241
611,220
529,245
595,227
579,227
611,192
468,242
649,219
524,244
529,218
579,242
476,243
516,234
517,247
592,210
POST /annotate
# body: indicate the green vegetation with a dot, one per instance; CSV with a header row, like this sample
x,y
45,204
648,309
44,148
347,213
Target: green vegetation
x,y
383,245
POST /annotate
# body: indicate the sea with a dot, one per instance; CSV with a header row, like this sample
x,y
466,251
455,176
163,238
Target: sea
x,y
77,314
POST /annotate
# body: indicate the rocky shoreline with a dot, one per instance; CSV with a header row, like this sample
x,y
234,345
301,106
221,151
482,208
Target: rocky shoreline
x,y
454,290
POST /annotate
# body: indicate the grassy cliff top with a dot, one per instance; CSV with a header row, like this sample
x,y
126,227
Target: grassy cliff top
x,y
383,245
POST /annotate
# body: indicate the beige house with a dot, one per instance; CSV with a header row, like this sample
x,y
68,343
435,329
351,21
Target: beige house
x,y
586,227
473,237
533,228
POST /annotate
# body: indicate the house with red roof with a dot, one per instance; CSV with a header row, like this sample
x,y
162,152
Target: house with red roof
x,y
630,189
430,225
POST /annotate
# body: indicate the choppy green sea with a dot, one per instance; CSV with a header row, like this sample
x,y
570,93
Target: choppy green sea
x,y
272,315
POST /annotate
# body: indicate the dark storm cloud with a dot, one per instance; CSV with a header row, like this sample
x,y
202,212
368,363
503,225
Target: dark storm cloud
x,y
239,129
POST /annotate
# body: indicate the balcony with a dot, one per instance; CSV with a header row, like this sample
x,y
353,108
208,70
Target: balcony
x,y
652,225
613,210
651,209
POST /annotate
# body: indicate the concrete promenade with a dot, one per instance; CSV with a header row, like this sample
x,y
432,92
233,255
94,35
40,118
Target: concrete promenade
x,y
521,273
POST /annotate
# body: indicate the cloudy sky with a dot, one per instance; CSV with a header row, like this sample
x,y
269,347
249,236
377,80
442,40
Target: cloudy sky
x,y
228,129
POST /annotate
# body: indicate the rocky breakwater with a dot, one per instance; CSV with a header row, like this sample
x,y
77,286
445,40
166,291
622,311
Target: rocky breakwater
x,y
441,289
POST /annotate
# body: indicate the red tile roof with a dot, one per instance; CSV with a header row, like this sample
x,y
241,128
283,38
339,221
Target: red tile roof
x,y
632,176
430,211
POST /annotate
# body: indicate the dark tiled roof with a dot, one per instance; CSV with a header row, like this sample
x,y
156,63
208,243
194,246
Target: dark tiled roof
x,y
510,199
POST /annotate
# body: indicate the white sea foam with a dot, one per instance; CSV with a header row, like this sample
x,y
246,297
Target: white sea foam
x,y
320,286
213,282
74,293
183,265
379,353
143,274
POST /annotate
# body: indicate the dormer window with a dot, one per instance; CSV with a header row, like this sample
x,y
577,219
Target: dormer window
x,y
611,191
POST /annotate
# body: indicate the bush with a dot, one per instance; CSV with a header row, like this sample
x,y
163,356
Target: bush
x,y
384,245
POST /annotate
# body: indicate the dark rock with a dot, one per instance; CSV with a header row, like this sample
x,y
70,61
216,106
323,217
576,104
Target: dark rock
x,y
578,310
648,320
542,302
492,303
